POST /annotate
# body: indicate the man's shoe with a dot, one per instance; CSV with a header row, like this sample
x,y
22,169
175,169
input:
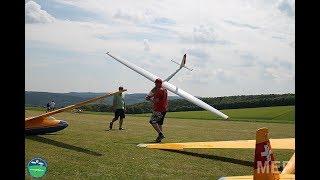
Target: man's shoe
x,y
110,126
121,129
159,138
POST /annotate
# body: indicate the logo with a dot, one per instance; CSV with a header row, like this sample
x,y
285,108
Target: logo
x,y
267,152
37,167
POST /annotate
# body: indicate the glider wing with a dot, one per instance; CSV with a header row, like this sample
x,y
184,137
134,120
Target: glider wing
x,y
71,106
170,87
286,143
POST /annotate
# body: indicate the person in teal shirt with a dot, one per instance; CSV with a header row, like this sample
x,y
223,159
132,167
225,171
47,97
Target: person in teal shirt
x,y
119,108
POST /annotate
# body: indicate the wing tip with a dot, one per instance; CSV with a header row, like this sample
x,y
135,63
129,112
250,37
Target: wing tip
x,y
142,145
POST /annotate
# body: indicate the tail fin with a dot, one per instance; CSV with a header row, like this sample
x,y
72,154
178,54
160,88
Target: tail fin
x,y
264,167
183,62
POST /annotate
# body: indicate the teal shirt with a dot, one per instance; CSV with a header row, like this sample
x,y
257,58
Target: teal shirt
x,y
118,101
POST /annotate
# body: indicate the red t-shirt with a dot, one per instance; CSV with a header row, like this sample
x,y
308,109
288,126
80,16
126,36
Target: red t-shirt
x,y
160,100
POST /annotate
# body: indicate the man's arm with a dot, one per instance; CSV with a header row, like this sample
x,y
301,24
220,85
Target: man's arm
x,y
150,94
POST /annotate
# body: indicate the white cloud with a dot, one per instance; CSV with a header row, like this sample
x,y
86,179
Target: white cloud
x,y
279,74
278,70
241,25
248,59
202,34
136,17
204,75
87,5
223,75
84,37
197,76
199,53
34,14
287,7
146,44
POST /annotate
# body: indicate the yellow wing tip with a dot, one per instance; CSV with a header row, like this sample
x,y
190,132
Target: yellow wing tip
x,y
142,145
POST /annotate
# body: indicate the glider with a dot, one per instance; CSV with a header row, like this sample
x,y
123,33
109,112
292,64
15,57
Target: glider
x,y
169,86
265,167
45,123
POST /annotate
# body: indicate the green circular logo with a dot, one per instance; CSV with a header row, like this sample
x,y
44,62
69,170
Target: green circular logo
x,y
37,167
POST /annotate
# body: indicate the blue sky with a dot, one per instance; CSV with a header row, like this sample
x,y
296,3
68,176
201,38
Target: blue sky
x,y
235,47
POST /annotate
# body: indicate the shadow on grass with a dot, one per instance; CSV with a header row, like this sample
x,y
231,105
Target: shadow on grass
x,y
134,143
52,134
219,158
62,145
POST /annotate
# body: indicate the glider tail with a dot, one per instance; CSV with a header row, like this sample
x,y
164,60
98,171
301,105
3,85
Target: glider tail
x,y
265,166
182,65
183,62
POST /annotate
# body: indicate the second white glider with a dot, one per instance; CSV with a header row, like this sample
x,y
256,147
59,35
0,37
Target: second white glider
x,y
170,87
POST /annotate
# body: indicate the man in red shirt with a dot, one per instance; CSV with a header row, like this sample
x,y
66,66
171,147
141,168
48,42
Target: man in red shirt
x,y
159,97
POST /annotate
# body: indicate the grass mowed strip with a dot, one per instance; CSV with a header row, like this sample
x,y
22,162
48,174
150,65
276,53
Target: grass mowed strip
x,y
85,150
277,114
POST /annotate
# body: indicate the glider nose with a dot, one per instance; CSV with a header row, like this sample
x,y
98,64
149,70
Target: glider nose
x,y
63,124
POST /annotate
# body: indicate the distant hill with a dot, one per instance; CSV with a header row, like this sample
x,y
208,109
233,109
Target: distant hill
x,y
33,98
42,98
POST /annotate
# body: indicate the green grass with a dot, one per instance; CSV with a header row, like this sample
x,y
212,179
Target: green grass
x,y
278,114
85,150
35,108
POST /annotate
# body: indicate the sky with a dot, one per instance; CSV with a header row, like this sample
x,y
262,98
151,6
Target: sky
x,y
236,47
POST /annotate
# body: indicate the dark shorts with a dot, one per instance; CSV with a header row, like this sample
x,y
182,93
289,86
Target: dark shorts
x,y
119,113
157,118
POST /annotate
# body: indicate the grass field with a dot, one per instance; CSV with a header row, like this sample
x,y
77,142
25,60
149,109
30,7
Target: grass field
x,y
279,114
85,150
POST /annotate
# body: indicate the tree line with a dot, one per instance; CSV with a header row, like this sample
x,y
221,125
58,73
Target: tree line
x,y
227,102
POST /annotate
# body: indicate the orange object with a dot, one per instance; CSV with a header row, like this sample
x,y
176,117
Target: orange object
x,y
264,161
45,123
265,166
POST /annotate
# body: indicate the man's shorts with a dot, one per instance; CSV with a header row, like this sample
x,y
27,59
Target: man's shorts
x,y
157,118
119,113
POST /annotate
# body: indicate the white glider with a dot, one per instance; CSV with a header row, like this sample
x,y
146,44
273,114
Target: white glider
x,y
169,86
